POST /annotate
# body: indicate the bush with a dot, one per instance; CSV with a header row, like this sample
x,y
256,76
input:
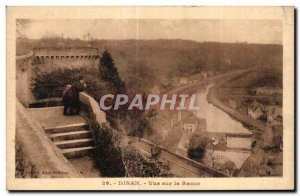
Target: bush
x,y
107,156
198,146
47,85
141,166
109,73
196,153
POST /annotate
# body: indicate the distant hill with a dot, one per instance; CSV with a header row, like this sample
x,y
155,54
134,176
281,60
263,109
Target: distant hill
x,y
152,62
257,78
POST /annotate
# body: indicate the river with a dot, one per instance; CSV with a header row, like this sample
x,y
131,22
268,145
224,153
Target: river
x,y
219,121
216,119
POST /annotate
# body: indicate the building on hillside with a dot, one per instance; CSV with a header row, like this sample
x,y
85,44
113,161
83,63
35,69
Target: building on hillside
x,y
191,123
255,110
188,122
194,123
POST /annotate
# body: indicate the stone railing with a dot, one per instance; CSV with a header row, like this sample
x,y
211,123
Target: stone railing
x,y
89,101
23,78
25,56
48,102
42,54
36,155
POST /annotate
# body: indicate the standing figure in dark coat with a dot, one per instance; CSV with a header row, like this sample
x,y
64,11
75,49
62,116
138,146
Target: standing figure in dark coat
x,y
66,101
72,96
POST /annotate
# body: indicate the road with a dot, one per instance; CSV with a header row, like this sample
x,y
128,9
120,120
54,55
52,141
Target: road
x,y
179,165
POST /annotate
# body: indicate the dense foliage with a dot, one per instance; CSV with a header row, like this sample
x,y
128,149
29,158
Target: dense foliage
x,y
109,73
197,153
47,85
139,165
107,156
197,149
133,122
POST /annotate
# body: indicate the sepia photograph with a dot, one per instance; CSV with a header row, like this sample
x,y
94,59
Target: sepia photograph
x,y
141,101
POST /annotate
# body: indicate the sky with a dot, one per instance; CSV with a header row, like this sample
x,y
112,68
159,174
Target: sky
x,y
251,31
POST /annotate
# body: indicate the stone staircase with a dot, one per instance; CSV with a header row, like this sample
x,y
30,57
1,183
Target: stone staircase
x,y
74,141
70,134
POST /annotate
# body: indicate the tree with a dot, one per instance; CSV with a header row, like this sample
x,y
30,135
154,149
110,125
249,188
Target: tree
x,y
109,73
197,149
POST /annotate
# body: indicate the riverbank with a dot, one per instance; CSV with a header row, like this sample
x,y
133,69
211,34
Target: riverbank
x,y
263,161
213,99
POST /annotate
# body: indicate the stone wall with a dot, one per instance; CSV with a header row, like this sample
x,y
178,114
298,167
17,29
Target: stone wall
x,y
36,155
54,53
23,77
46,60
94,107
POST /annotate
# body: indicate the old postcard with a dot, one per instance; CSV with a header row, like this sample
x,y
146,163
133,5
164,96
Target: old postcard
x,y
150,98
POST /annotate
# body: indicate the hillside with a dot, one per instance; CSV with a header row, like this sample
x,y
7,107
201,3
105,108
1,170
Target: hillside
x,y
145,63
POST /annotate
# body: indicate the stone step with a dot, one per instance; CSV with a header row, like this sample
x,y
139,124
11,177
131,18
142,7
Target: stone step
x,y
71,135
74,143
67,128
77,152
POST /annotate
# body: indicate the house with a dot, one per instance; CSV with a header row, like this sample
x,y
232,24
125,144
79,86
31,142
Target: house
x,y
190,127
255,110
188,122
